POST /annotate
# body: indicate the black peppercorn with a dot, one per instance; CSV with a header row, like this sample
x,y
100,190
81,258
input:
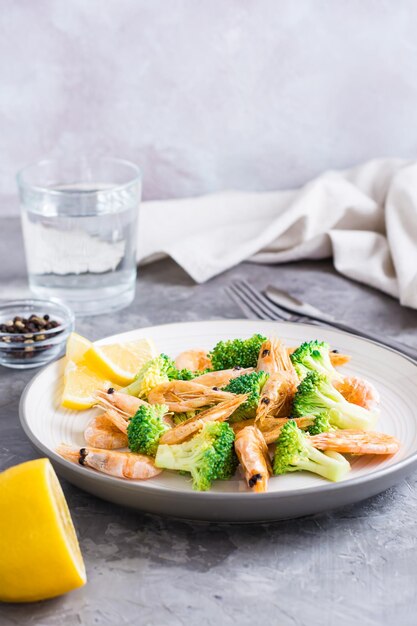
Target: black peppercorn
x,y
28,330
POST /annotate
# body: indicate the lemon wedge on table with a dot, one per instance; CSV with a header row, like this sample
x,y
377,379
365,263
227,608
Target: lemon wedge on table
x,y
40,555
120,362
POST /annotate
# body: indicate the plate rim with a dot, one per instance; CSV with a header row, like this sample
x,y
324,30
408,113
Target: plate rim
x,y
156,490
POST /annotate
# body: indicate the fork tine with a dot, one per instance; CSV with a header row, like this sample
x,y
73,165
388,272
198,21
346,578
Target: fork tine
x,y
247,304
242,304
261,301
273,307
251,297
257,301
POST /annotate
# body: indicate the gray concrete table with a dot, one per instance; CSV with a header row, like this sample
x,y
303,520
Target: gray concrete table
x,y
353,565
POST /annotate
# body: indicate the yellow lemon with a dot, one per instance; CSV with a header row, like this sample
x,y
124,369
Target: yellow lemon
x,y
120,362
80,383
77,346
40,555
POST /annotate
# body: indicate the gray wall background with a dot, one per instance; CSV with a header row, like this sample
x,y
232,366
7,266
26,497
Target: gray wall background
x,y
207,94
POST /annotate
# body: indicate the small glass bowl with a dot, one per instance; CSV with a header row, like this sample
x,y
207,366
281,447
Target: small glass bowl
x,y
33,349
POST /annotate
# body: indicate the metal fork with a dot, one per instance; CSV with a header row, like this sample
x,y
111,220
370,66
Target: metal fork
x,y
255,303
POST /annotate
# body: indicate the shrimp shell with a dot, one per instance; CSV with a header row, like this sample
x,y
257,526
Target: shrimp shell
x,y
186,395
253,455
277,396
124,403
218,413
102,433
356,442
194,360
221,378
270,427
358,391
120,423
273,357
114,463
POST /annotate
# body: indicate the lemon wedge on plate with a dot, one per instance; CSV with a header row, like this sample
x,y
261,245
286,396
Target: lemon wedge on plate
x,y
40,555
77,346
120,362
80,383
90,367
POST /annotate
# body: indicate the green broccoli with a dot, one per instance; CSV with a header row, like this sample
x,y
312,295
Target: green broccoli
x,y
146,427
314,356
294,452
160,369
252,385
183,374
321,424
236,353
152,373
177,418
316,395
208,456
174,373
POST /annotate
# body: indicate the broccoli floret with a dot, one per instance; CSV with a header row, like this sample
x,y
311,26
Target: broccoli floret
x,y
294,452
177,418
183,374
207,457
314,356
146,427
316,395
174,373
321,424
152,373
160,369
236,353
252,385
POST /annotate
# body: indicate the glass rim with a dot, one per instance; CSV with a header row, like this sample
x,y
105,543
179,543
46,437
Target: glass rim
x,y
113,187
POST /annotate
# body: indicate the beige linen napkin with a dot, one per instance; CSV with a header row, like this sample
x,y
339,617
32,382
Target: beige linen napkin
x,y
365,218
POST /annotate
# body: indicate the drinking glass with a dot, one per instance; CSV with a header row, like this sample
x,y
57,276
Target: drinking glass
x,y
79,221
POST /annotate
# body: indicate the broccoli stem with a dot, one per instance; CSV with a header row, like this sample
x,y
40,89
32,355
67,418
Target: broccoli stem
x,y
133,389
344,414
330,465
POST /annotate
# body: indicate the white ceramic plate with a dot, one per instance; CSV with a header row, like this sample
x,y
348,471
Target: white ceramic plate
x,y
47,424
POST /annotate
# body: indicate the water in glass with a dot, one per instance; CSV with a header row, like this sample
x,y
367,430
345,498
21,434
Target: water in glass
x,y
80,242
